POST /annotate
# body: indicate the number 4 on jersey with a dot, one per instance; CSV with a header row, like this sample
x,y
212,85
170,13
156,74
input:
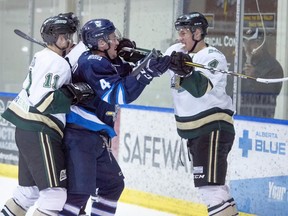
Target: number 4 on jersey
x,y
104,84
214,63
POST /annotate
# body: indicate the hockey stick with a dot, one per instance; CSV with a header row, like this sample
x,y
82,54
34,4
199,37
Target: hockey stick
x,y
192,64
137,50
261,80
138,68
27,37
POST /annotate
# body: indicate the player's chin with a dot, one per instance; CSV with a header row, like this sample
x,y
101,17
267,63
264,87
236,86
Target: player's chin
x,y
184,45
187,47
113,54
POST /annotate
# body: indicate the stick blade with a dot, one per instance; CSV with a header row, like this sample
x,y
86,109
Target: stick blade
x,y
21,34
27,37
276,80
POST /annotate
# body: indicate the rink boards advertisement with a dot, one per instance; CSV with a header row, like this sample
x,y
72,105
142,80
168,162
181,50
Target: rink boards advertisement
x,y
154,159
158,170
8,149
258,167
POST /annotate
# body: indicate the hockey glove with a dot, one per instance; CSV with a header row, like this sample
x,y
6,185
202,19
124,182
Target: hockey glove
x,y
178,65
158,66
128,55
125,42
79,92
155,67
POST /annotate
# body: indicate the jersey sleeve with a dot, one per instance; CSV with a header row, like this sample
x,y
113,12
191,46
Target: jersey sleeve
x,y
107,80
196,84
212,57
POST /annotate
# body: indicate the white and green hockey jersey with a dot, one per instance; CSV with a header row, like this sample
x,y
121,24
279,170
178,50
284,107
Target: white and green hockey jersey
x,y
200,100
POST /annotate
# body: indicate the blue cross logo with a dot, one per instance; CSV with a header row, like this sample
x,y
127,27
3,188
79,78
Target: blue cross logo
x,y
245,143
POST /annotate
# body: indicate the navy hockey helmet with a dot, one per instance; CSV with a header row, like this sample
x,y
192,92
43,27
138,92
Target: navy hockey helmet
x,y
52,27
96,29
192,21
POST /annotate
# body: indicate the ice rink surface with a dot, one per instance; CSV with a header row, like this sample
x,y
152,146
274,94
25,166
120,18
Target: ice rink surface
x,y
7,185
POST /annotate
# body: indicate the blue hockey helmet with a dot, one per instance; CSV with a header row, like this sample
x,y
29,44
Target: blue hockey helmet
x,y
96,29
192,21
52,27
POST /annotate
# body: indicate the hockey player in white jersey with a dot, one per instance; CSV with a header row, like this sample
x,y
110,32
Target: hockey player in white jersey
x,y
38,112
203,111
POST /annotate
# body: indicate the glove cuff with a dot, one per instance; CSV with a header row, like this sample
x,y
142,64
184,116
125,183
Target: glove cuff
x,y
144,77
66,92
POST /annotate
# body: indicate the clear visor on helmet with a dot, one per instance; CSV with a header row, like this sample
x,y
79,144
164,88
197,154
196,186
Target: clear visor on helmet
x,y
115,36
69,36
118,34
183,30
180,27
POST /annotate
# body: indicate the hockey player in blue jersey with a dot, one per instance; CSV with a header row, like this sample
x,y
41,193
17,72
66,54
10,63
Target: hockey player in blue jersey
x,y
203,111
91,166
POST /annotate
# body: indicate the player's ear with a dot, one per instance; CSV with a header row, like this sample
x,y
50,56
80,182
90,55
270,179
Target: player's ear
x,y
101,44
198,33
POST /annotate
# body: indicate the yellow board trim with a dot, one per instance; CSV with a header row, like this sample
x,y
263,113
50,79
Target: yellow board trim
x,y
8,170
144,199
165,204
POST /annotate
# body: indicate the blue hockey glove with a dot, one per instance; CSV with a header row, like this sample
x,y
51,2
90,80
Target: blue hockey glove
x,y
155,67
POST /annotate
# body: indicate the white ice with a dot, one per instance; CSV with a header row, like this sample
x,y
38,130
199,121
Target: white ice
x,y
7,185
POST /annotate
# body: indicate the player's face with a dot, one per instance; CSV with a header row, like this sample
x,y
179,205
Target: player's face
x,y
113,42
64,40
185,37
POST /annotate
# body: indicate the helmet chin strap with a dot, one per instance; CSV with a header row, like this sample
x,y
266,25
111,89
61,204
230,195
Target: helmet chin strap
x,y
195,44
106,51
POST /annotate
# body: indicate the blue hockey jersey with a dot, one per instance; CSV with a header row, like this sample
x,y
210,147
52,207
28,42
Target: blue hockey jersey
x,y
112,84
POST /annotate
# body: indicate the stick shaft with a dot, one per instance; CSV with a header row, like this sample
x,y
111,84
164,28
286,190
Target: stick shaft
x,y
27,37
260,80
138,50
192,64
144,62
